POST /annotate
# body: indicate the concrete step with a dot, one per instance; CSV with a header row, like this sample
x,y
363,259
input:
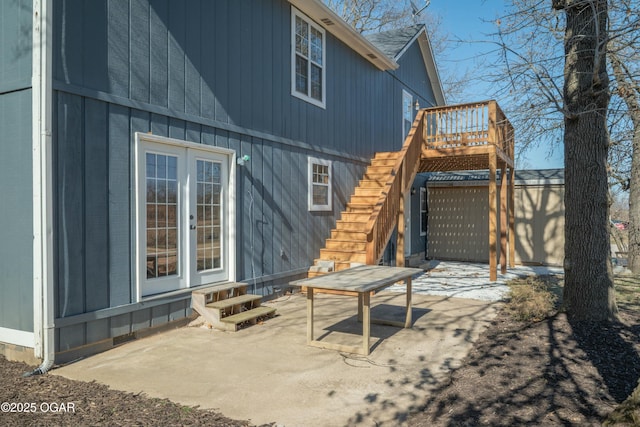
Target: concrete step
x,y
322,266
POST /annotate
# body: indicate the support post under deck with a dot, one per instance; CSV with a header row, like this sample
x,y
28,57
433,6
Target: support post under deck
x,y
493,223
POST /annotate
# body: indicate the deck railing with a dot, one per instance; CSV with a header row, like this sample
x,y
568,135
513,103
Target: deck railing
x,y
468,125
383,218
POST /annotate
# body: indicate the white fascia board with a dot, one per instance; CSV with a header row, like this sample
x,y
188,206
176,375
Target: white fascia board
x,y
429,62
333,24
432,67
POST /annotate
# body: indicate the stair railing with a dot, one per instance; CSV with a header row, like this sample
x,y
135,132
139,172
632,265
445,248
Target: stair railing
x,y
383,218
468,125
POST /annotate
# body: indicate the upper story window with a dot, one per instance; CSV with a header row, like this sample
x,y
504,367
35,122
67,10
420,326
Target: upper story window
x,y
307,59
407,113
319,184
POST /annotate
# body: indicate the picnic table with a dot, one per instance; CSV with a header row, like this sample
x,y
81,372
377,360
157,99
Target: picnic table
x,y
360,281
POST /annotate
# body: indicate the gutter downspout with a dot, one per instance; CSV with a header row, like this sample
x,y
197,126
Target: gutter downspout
x,y
41,86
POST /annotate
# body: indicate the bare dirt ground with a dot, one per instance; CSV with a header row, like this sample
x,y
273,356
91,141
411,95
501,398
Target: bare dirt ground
x,y
548,373
56,401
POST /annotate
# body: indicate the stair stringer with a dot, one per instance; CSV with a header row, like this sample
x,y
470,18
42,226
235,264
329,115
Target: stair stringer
x,y
392,173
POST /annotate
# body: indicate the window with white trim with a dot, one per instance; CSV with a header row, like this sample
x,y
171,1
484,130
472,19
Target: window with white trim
x,y
307,59
407,113
319,184
423,211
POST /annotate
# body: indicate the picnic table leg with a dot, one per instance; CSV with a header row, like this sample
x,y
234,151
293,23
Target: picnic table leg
x,y
309,315
359,306
407,322
366,321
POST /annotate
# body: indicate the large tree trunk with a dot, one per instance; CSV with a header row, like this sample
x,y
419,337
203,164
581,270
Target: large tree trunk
x,y
628,91
634,201
588,290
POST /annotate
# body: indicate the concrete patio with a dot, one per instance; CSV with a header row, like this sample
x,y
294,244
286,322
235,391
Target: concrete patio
x,y
266,373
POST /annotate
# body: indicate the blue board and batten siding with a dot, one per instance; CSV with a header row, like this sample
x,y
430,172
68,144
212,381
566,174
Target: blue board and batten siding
x,y
16,230
216,73
412,75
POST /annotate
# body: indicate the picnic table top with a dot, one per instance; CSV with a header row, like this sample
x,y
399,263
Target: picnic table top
x,y
363,278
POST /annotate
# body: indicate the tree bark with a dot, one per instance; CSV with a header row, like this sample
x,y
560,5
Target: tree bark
x,y
634,203
629,92
588,291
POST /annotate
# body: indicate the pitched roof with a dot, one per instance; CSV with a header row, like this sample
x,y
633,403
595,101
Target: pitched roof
x,y
393,42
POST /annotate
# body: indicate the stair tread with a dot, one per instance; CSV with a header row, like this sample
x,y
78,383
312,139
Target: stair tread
x,y
230,302
351,251
219,287
263,310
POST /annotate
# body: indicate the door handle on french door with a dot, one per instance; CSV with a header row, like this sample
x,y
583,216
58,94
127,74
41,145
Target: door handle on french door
x,y
192,227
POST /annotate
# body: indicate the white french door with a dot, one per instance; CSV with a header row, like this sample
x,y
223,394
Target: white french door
x,y
184,214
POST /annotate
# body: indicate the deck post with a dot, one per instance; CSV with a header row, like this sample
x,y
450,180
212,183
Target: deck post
x,y
493,223
503,218
512,218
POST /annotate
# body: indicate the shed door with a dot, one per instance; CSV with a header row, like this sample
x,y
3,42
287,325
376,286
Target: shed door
x,y
183,217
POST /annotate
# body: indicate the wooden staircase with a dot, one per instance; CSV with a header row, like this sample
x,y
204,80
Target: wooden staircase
x,y
228,306
472,136
347,245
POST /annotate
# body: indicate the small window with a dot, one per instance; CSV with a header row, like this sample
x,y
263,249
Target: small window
x,y
307,59
319,184
407,113
423,211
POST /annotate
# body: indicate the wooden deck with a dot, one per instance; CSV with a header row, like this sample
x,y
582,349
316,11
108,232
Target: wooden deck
x,y
475,136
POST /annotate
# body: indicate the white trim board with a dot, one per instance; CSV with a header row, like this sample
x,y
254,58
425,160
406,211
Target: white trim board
x,y
16,337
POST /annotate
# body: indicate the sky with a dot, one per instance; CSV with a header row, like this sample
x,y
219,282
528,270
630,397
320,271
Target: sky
x,y
473,20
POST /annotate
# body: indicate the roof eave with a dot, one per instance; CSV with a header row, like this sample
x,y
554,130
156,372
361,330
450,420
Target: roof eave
x,y
331,22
